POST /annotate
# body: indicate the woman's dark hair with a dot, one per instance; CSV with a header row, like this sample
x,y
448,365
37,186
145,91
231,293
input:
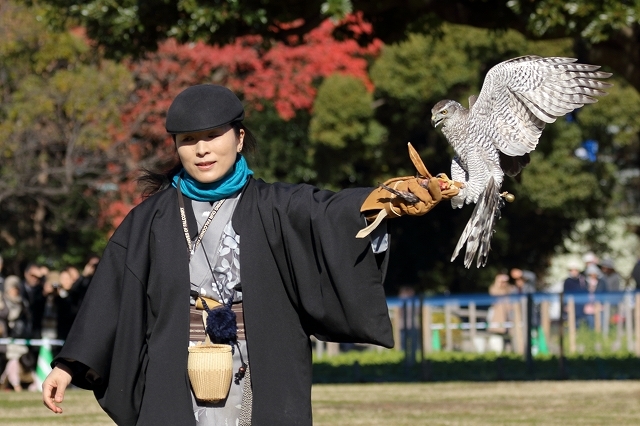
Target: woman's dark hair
x,y
153,181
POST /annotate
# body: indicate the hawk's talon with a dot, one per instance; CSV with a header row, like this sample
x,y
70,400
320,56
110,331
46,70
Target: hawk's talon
x,y
407,196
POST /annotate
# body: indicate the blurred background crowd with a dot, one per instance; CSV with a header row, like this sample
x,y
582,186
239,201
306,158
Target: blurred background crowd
x,y
590,276
39,304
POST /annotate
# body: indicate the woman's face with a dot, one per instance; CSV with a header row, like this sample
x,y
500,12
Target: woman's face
x,y
210,154
13,292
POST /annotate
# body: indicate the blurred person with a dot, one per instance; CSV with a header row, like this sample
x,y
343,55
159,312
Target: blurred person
x,y
90,266
595,284
73,272
4,330
82,280
18,323
11,376
44,270
576,283
1,274
595,280
68,299
34,297
50,288
525,281
19,371
68,295
635,274
589,258
409,330
18,317
613,280
500,312
4,315
205,223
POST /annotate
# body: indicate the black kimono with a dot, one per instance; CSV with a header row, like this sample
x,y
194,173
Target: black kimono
x,y
303,273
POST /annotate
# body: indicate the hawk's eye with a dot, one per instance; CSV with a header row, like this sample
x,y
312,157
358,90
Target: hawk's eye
x,y
444,112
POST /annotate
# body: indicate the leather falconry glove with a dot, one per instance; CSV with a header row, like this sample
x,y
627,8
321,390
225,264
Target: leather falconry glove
x,y
407,195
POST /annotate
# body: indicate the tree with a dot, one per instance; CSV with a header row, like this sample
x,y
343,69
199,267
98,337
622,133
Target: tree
x,y
345,138
60,107
606,32
322,113
278,86
552,194
76,128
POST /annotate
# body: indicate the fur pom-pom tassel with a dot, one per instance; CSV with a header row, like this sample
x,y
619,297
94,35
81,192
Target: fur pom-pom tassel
x,y
221,324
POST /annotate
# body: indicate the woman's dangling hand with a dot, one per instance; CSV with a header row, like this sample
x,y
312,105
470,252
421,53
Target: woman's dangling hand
x,y
54,386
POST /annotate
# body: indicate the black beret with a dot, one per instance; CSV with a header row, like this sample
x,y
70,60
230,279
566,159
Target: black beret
x,y
203,107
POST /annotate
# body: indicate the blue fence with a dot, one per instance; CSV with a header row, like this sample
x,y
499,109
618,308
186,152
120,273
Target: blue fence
x,y
525,324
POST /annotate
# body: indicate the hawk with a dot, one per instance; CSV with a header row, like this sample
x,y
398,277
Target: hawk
x,y
501,127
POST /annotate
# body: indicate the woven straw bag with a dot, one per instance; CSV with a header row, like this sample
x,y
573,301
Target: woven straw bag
x,y
210,368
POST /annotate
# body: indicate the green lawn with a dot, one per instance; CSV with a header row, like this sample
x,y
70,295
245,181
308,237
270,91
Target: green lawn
x,y
453,403
489,403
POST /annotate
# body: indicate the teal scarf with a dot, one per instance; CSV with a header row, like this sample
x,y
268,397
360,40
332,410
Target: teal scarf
x,y
214,191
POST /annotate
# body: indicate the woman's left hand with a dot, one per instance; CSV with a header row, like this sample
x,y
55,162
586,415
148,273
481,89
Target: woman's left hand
x,y
54,386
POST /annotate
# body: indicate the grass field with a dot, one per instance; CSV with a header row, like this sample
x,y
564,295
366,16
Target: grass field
x,y
458,403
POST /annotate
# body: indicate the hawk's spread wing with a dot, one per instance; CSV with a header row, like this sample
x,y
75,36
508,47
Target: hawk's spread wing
x,y
521,95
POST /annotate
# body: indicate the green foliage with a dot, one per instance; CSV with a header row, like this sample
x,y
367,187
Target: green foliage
x,y
391,366
60,115
594,21
616,113
456,334
282,146
127,27
342,111
343,134
590,343
364,357
56,86
336,9
82,102
552,193
334,147
423,68
428,67
557,181
604,31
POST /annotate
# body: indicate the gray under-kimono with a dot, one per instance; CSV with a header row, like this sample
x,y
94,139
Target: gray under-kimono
x,y
221,245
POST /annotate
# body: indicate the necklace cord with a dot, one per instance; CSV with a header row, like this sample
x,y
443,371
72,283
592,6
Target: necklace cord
x,y
193,246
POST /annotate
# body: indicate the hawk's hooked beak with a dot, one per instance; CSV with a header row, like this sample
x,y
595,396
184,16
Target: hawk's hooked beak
x,y
435,121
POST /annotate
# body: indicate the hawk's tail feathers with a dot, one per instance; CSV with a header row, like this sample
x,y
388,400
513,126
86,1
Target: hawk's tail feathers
x,y
481,226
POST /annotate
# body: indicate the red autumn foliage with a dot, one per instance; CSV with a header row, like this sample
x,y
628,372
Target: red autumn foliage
x,y
117,204
285,75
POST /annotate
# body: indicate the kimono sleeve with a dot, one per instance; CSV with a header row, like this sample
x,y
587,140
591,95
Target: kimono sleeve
x,y
333,278
105,346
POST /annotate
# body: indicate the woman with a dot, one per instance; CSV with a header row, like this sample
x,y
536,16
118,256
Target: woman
x,y
287,252
17,322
